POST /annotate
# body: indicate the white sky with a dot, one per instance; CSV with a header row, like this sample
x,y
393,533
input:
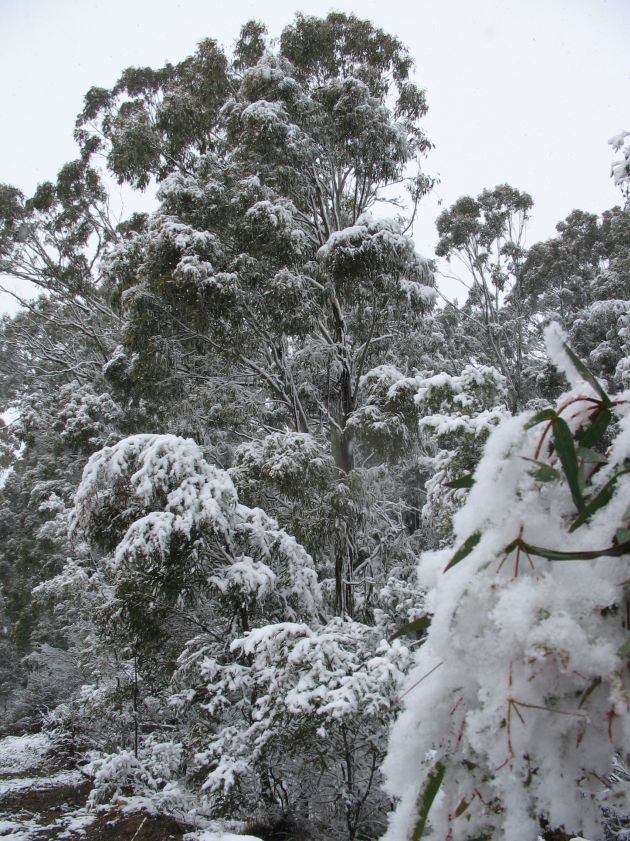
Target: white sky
x,y
520,91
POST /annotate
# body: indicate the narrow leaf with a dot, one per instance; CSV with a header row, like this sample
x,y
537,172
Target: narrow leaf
x,y
563,441
602,498
463,805
586,375
586,555
544,472
466,481
434,781
541,417
590,456
420,624
622,535
593,432
465,549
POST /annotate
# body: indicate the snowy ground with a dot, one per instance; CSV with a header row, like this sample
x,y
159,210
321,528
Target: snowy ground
x,y
23,753
40,803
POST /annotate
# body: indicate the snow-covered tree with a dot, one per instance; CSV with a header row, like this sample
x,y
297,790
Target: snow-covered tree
x,y
487,236
621,167
296,722
518,701
581,277
265,274
174,553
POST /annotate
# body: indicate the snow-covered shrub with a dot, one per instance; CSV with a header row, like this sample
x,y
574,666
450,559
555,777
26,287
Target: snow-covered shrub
x,y
295,721
178,543
520,697
621,167
153,774
457,414
173,552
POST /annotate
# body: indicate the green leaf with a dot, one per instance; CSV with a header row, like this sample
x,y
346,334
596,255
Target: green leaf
x,y
586,555
466,481
602,498
541,417
590,456
465,549
563,441
434,781
544,473
593,432
586,375
622,535
420,624
624,651
463,805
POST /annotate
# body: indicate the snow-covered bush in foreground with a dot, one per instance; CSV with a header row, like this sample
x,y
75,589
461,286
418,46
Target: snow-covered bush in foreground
x,y
520,696
170,551
153,774
296,723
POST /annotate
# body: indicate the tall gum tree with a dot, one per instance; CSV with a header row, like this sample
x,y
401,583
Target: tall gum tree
x,y
263,273
486,235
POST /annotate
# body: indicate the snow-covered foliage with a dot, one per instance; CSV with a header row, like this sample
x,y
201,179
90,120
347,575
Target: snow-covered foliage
x,y
296,720
519,699
153,773
176,534
278,417
292,462
621,167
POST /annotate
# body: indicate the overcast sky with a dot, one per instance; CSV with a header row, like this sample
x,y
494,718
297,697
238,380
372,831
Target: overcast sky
x,y
519,91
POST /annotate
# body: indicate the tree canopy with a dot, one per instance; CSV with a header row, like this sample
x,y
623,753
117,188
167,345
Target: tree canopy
x,y
265,497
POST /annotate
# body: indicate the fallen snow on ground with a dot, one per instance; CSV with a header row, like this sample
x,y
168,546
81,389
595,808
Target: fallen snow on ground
x,y
62,778
23,753
72,827
214,835
75,824
22,831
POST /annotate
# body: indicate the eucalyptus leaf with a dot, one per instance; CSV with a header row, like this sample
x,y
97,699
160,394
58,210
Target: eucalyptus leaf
x,y
541,417
590,456
466,481
415,626
602,498
544,472
587,375
594,431
563,441
578,555
464,550
429,793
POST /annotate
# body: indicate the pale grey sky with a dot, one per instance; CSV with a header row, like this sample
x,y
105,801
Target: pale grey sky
x,y
519,91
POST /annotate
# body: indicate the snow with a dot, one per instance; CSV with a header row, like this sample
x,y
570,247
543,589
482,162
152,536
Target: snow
x,y
76,824
415,291
61,778
217,835
618,140
153,465
23,753
519,690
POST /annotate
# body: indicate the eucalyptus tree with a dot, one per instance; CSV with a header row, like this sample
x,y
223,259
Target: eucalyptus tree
x,y
581,277
262,280
487,236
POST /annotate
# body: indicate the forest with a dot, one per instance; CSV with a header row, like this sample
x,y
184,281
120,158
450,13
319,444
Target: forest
x,y
291,543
